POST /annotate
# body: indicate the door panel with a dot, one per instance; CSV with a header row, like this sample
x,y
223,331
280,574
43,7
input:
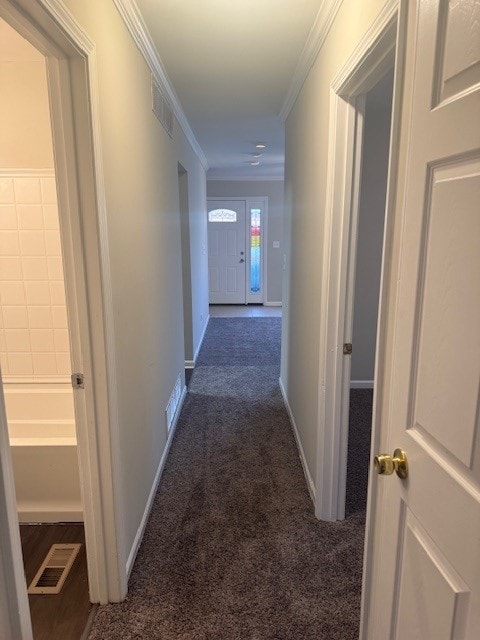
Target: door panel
x,y
214,279
460,35
226,253
438,611
232,280
426,550
451,260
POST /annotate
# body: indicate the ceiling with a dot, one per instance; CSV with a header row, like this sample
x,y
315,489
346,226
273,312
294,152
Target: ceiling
x,y
231,63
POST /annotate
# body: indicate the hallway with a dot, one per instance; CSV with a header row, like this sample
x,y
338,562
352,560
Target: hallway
x,y
232,548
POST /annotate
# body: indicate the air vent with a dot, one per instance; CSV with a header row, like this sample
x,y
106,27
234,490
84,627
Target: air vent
x,y
161,108
55,568
173,403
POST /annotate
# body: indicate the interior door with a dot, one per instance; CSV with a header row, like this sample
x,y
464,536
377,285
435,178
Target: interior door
x,y
226,251
423,563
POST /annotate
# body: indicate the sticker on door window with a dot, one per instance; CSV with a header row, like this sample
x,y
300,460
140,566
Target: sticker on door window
x,y
255,249
222,215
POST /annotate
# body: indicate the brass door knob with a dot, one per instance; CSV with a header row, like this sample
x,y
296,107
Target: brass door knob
x,y
386,465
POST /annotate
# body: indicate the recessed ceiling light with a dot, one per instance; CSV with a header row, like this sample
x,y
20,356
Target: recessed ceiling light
x,y
254,164
260,145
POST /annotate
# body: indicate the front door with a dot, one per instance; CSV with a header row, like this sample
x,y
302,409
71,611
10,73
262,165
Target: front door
x,y
423,563
226,252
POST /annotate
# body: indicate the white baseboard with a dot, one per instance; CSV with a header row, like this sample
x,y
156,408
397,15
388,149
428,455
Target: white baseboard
x,y
26,516
361,384
190,364
272,304
141,529
303,460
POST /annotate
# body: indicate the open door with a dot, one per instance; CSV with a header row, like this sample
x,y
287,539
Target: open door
x,y
422,578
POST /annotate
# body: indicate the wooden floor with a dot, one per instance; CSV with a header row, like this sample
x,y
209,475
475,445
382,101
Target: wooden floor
x,y
62,616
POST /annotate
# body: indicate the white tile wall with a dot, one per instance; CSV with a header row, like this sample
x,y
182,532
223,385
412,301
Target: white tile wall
x,y
33,319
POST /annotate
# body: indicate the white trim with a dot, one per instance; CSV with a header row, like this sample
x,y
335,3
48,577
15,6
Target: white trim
x,y
301,453
317,36
197,350
14,608
135,23
190,364
158,475
361,384
26,516
351,78
272,304
211,177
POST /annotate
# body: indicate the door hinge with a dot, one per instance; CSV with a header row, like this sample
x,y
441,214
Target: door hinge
x,y
347,349
77,381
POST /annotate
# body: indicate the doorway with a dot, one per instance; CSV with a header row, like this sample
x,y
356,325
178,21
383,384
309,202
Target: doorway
x,y
377,116
186,262
71,72
236,250
35,348
375,57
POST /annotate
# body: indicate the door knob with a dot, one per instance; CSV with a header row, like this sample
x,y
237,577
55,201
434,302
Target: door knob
x,y
386,465
242,260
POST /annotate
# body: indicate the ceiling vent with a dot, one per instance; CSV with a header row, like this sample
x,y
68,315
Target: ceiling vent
x,y
55,568
161,108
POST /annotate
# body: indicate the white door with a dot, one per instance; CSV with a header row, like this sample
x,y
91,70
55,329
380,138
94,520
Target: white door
x,y
423,562
226,251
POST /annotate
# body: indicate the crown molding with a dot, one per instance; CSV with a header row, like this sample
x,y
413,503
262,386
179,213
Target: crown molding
x,y
237,178
63,17
135,23
317,36
386,19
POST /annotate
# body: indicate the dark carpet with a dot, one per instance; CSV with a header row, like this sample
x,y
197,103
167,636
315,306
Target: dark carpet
x,y
359,437
232,550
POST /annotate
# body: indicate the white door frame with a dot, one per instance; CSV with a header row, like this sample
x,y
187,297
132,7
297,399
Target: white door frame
x,y
72,80
376,53
250,202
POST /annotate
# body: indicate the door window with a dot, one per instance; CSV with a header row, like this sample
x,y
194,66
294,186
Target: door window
x,y
222,215
255,250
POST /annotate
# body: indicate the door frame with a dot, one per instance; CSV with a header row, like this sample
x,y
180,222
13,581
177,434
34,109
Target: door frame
x,y
250,201
73,92
369,62
374,55
381,48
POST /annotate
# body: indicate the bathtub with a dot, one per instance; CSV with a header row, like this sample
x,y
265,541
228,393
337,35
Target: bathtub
x,y
43,443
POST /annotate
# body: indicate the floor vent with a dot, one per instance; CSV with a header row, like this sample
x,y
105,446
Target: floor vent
x,y
173,402
55,568
161,108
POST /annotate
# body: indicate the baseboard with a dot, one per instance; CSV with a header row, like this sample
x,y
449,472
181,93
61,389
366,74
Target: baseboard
x,y
272,304
141,529
303,460
190,364
361,384
27,516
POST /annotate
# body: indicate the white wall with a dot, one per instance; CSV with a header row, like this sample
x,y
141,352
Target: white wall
x,y
306,162
34,340
274,191
140,164
370,227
